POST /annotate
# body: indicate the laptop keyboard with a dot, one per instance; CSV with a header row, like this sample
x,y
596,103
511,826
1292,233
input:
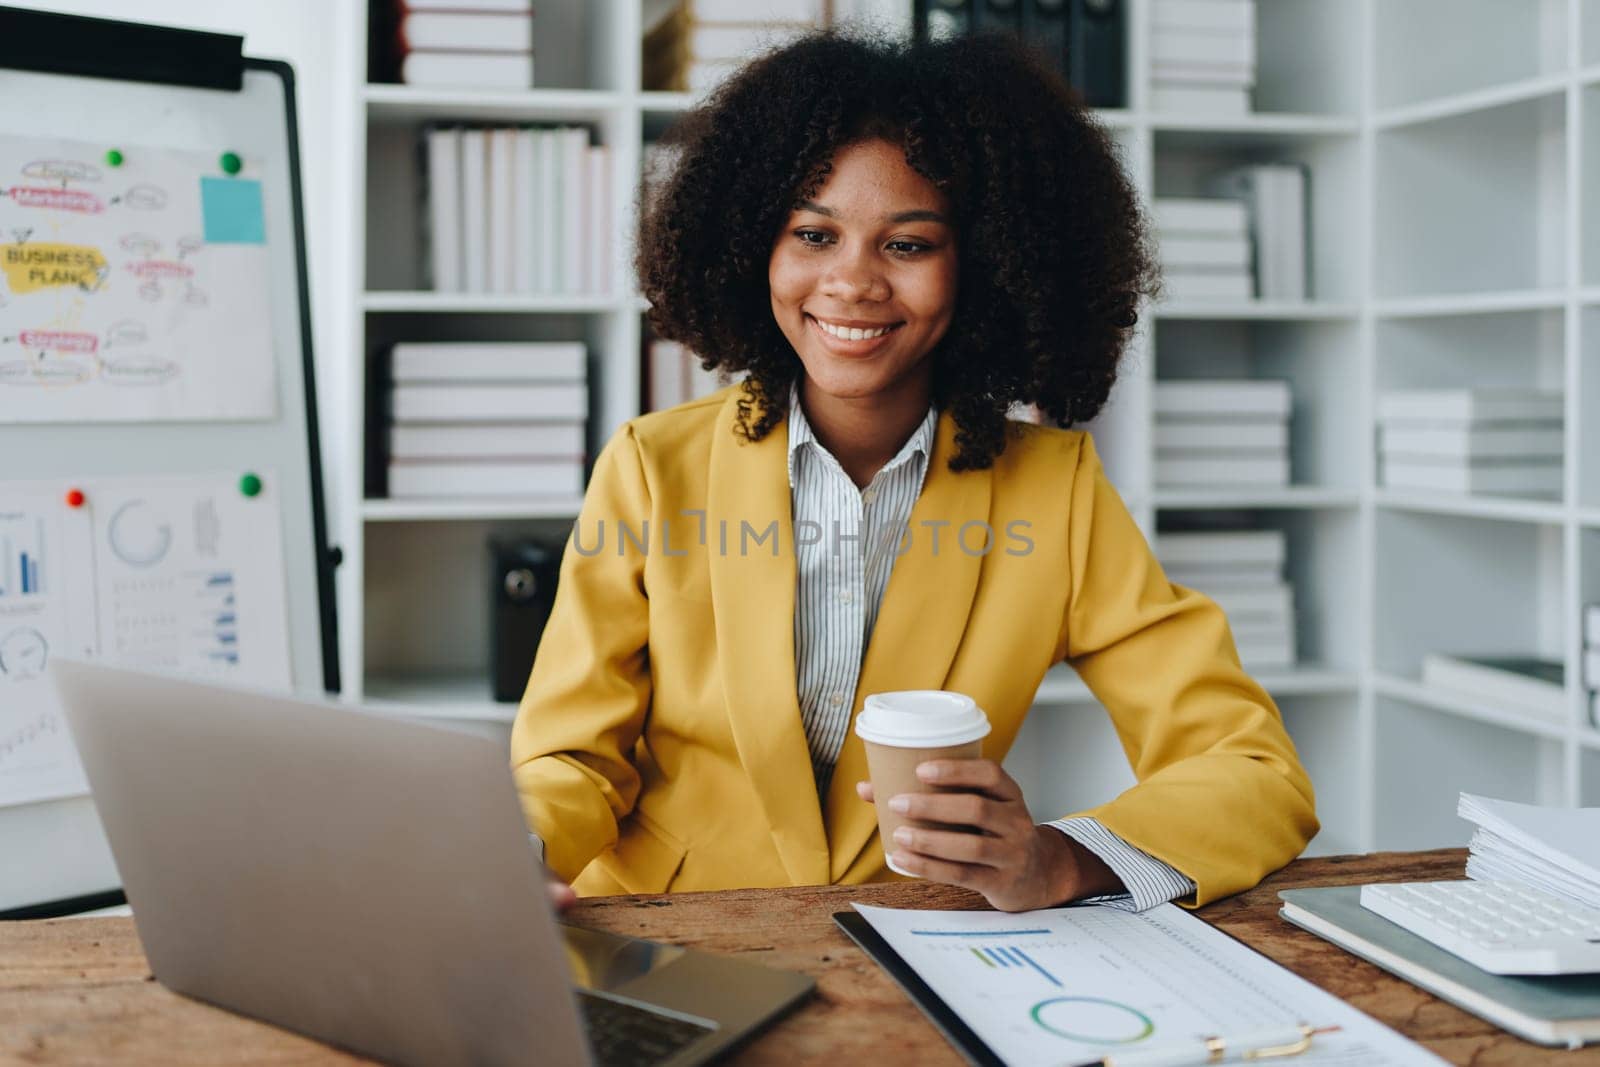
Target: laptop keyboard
x,y
621,1035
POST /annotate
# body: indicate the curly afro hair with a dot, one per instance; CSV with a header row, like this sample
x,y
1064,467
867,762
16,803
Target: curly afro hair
x,y
1053,255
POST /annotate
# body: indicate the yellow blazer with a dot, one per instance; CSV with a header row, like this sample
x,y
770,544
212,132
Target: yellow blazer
x,y
659,745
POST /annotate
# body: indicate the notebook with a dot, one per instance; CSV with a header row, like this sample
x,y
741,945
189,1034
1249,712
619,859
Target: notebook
x,y
1549,1011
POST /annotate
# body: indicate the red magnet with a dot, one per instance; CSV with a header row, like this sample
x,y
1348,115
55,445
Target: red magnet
x,y
75,498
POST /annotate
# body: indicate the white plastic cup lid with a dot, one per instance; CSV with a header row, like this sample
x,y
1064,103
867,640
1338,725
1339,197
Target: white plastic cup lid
x,y
921,718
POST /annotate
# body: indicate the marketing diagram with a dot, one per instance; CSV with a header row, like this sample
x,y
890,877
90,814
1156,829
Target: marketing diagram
x,y
134,285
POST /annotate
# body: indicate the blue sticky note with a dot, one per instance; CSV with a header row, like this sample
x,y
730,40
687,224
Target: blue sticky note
x,y
232,210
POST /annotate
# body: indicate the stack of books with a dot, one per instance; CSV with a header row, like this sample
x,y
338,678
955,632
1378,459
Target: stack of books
x,y
517,210
487,419
1242,570
1205,249
693,48
1591,660
1498,440
1524,683
1274,195
1202,56
482,44
1222,433
674,375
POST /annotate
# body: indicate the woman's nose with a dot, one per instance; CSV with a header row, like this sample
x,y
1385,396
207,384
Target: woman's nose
x,y
852,278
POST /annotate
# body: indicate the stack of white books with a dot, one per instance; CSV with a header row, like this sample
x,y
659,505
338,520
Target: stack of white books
x,y
517,211
1555,850
695,47
1591,660
675,376
1222,433
1275,197
1242,570
466,43
487,419
1205,249
1202,56
1498,440
1526,683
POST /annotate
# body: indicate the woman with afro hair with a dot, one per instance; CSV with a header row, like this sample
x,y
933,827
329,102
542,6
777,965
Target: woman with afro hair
x,y
892,245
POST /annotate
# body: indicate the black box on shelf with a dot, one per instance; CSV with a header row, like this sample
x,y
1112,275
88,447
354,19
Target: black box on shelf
x,y
1085,41
524,575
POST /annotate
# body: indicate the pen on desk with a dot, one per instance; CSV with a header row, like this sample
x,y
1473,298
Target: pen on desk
x,y
1220,1048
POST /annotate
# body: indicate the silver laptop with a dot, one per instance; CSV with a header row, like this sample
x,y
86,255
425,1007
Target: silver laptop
x,y
367,881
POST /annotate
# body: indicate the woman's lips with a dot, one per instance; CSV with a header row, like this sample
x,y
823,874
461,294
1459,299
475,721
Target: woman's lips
x,y
863,347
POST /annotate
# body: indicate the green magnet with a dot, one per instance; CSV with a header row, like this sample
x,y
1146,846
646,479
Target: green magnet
x,y
250,485
231,163
114,158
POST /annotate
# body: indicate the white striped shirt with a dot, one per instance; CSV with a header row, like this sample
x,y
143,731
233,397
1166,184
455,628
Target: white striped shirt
x,y
845,540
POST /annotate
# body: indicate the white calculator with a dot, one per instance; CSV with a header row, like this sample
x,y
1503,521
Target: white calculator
x,y
1500,927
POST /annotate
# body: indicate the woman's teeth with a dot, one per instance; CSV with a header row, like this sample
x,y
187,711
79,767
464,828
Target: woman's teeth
x,y
852,333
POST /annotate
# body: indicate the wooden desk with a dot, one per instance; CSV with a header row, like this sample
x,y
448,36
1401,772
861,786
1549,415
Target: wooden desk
x,y
78,991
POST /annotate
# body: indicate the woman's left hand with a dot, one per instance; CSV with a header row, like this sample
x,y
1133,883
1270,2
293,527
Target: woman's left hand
x,y
1016,864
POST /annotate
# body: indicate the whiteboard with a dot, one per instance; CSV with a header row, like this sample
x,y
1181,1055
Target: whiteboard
x,y
54,849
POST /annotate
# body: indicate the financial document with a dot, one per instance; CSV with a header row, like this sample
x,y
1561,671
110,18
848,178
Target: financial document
x,y
1068,985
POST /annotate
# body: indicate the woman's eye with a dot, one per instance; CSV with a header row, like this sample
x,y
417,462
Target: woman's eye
x,y
908,247
814,238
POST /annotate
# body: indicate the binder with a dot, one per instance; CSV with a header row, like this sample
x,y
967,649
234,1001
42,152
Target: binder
x,y
502,151
1097,51
1044,26
996,15
475,211
444,209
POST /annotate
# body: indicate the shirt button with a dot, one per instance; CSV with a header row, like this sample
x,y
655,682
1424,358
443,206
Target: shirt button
x,y
836,701
868,495
845,596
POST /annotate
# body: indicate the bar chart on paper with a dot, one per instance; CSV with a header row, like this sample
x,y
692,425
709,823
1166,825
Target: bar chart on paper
x,y
1073,984
21,555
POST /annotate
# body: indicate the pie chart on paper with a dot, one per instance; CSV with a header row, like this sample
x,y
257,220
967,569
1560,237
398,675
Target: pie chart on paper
x,y
139,536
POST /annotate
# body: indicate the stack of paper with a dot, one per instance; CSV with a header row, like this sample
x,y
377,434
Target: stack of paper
x,y
1499,440
675,376
468,43
1202,56
1222,433
1242,570
487,420
1556,850
1205,249
1275,195
695,47
517,211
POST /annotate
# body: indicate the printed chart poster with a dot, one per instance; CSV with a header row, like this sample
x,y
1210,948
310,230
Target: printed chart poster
x,y
180,575
138,291
37,761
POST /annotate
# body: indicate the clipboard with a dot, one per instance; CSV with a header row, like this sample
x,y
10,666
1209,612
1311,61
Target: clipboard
x,y
947,1022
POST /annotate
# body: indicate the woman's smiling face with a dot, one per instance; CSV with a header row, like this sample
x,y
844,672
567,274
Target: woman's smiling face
x,y
863,275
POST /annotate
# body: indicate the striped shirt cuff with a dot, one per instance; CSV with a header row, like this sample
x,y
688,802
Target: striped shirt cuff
x,y
1149,881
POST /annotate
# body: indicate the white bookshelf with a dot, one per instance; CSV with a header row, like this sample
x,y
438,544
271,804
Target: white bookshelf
x,y
1455,240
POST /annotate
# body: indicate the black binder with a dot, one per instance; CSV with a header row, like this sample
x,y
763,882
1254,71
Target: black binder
x,y
1097,51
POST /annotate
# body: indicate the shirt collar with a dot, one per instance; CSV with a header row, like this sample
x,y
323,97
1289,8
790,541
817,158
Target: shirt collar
x,y
919,444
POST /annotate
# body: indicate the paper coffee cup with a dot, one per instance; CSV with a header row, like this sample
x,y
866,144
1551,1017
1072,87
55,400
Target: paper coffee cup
x,y
903,729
